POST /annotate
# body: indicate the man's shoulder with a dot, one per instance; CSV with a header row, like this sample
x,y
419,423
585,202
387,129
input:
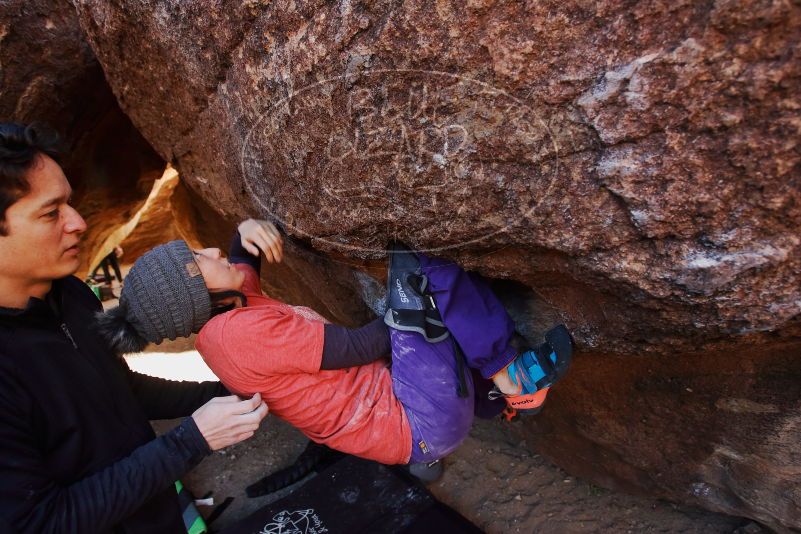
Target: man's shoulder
x,y
73,287
33,326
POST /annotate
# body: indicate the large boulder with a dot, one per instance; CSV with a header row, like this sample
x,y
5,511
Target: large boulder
x,y
49,74
46,64
632,167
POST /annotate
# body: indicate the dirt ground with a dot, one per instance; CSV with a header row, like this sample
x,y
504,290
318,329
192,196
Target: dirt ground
x,y
492,479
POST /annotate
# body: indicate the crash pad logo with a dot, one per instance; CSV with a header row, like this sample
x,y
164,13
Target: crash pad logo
x,y
371,154
296,522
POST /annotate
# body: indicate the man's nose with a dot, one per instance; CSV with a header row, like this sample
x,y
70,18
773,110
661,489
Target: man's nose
x,y
75,223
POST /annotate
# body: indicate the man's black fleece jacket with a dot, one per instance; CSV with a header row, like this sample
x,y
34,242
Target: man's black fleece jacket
x,y
77,453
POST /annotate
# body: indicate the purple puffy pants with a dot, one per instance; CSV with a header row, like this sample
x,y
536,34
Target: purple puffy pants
x,y
424,375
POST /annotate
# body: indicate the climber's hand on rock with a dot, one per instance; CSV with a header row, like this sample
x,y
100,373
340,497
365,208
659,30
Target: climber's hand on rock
x,y
224,421
258,235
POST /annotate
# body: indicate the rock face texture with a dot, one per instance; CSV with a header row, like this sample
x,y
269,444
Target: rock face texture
x,y
48,73
632,167
46,63
643,154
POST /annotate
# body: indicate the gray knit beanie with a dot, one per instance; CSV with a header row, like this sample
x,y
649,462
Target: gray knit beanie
x,y
164,296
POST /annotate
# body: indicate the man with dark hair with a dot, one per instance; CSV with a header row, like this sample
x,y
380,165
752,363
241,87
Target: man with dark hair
x,y
16,156
77,453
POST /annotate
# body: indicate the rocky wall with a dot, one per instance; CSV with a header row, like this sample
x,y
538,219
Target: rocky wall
x,y
49,74
631,167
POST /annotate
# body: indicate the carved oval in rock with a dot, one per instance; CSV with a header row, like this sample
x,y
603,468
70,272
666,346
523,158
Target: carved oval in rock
x,y
422,138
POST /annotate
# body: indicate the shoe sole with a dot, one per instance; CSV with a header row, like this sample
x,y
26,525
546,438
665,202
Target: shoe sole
x,y
562,343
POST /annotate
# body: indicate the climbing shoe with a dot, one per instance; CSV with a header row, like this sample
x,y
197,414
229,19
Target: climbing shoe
x,y
534,371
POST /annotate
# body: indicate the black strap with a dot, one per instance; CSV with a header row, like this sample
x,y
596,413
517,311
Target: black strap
x,y
543,355
315,457
461,390
425,322
218,511
544,358
419,282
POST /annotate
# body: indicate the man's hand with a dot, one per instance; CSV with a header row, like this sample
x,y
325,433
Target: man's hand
x,y
224,421
262,235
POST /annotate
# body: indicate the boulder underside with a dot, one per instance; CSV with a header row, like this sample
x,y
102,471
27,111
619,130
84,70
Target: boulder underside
x,y
630,169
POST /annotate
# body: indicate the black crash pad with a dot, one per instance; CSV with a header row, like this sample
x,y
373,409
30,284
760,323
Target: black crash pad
x,y
356,496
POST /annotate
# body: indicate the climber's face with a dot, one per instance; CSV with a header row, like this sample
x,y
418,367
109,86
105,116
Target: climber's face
x,y
218,273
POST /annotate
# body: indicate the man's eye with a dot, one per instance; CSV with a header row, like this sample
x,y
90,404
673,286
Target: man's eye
x,y
52,214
